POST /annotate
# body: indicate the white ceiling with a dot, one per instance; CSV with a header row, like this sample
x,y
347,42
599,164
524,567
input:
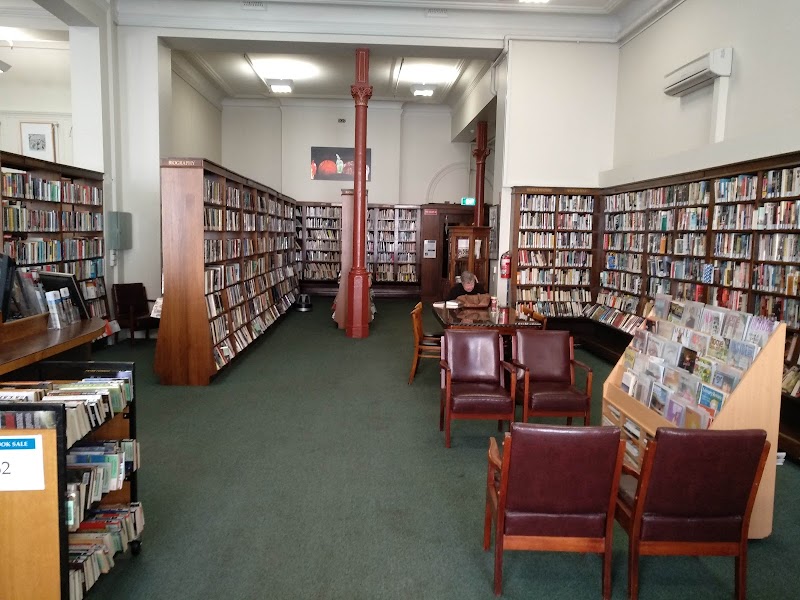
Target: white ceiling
x,y
467,35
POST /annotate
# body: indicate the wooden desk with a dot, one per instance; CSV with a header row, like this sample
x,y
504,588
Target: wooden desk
x,y
504,320
28,341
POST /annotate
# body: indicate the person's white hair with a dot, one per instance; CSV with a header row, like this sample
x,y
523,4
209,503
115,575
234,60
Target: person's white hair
x,y
467,277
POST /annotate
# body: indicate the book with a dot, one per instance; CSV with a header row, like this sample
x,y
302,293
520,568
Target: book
x,y
679,334
659,397
734,324
655,345
758,330
697,341
692,314
628,382
718,348
655,368
629,357
671,352
726,377
711,320
695,418
639,341
675,411
712,398
741,354
675,311
665,329
641,390
672,377
686,359
661,306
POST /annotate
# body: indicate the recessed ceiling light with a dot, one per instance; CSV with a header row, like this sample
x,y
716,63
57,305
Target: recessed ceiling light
x,y
280,86
283,68
422,90
427,73
534,1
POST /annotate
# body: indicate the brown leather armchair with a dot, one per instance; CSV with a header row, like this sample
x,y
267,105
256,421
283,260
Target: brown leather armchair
x,y
553,489
694,496
546,376
473,382
426,345
132,309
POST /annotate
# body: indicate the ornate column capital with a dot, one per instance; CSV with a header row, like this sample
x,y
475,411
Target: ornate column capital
x,y
361,93
480,154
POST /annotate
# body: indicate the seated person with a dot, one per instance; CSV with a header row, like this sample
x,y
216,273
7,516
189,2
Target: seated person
x,y
469,286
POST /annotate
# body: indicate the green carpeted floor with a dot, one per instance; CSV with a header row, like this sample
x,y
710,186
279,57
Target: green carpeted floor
x,y
310,469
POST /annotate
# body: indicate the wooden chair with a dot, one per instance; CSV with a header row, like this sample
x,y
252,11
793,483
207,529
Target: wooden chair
x,y
553,489
534,316
546,376
474,386
694,496
132,309
426,345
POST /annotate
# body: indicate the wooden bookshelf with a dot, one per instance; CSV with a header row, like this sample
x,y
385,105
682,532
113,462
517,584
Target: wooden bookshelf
x,y
229,258
468,251
553,260
53,221
393,247
754,403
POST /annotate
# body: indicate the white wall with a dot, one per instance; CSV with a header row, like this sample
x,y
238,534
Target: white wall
x,y
660,135
196,123
561,102
432,168
36,89
251,140
307,123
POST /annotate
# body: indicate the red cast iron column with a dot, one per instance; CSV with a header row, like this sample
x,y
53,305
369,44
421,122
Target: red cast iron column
x,y
480,153
358,307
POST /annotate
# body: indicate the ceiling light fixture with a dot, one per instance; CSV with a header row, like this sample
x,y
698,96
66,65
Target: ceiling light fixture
x,y
534,1
282,68
280,86
4,66
422,90
426,73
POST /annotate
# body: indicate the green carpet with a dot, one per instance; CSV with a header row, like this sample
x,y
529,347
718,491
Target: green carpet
x,y
310,469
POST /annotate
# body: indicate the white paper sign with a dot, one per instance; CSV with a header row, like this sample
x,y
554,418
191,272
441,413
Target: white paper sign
x,y
429,249
21,463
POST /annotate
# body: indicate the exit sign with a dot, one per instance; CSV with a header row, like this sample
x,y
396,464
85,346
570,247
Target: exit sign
x,y
467,201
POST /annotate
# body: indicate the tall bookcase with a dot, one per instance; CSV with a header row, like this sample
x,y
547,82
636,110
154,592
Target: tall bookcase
x,y
392,247
551,266
34,540
245,233
53,221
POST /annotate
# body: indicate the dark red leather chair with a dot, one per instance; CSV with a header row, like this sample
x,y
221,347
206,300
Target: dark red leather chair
x,y
473,382
694,496
553,489
546,376
133,309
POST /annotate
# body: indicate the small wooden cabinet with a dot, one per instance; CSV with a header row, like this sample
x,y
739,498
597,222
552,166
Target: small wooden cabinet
x,y
468,251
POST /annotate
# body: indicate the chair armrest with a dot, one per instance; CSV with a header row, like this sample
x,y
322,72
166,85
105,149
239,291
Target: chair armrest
x,y
519,365
511,368
628,470
444,365
583,366
495,459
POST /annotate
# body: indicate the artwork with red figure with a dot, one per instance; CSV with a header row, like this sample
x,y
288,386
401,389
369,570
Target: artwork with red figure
x,y
336,163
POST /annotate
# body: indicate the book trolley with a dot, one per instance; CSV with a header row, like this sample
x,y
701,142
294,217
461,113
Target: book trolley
x,y
754,403
34,548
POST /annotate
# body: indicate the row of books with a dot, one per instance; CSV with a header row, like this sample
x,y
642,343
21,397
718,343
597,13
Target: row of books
x,y
107,531
34,251
611,316
25,185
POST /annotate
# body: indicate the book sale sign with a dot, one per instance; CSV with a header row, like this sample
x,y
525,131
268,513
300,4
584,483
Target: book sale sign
x,y
21,463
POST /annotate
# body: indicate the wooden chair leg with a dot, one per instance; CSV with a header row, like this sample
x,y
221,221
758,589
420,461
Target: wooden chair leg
x,y
133,336
414,363
487,519
607,570
569,420
633,571
498,563
499,425
741,573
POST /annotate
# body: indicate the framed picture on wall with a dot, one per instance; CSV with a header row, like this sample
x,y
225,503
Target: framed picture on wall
x,y
494,220
336,164
38,140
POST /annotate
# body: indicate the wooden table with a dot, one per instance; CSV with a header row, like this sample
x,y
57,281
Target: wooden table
x,y
28,341
504,320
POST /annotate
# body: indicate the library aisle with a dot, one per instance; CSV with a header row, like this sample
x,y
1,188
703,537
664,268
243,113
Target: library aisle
x,y
296,476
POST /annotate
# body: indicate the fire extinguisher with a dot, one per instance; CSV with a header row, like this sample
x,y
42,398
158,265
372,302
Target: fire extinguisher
x,y
505,266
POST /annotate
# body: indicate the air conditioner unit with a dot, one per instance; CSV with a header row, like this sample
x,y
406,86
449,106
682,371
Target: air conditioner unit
x,y
699,73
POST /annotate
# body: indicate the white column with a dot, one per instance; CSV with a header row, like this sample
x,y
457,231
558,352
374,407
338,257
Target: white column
x,y
141,59
87,98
